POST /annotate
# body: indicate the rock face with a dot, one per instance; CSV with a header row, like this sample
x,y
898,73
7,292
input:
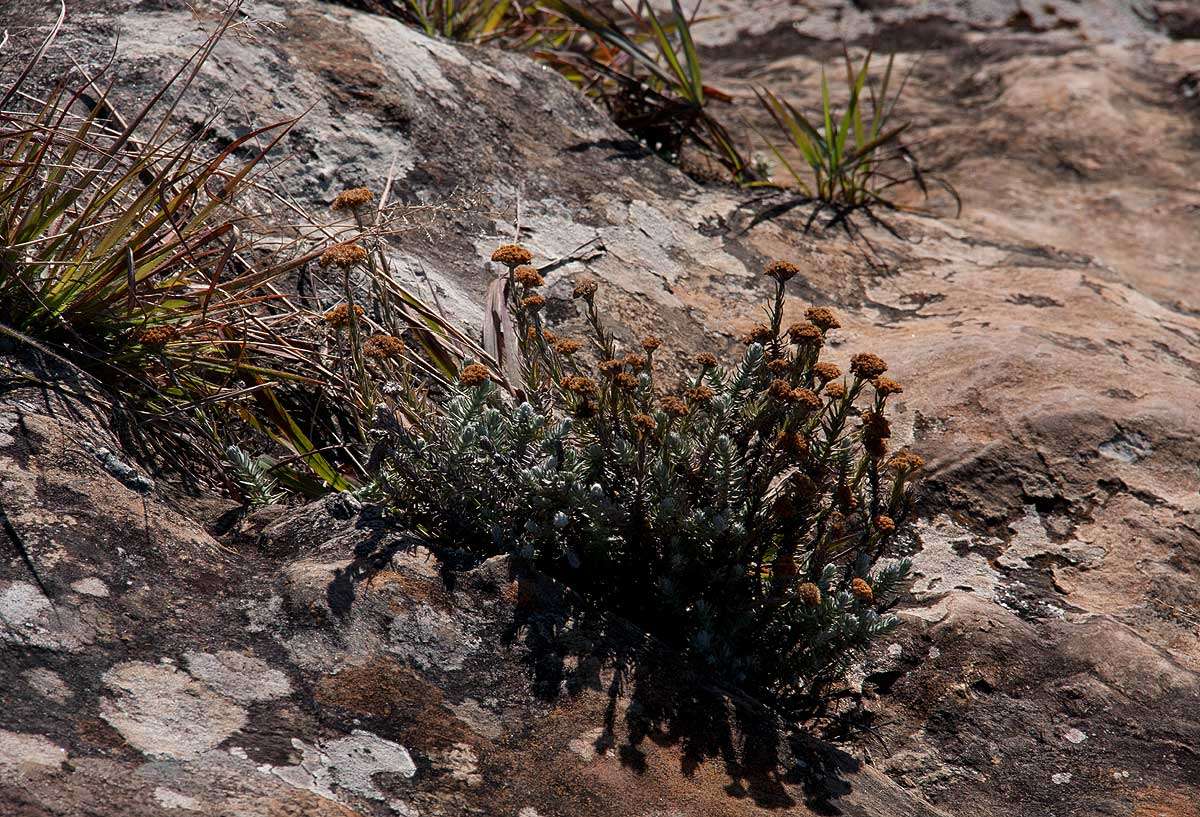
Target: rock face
x,y
1049,342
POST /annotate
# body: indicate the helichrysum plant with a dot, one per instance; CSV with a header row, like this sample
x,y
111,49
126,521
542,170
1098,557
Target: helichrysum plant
x,y
745,516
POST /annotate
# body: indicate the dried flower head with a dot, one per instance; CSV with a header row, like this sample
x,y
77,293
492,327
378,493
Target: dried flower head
x,y
567,346
806,398
885,525
512,255
700,394
636,361
157,336
339,316
805,334
809,593
782,271
866,365
759,333
644,422
533,303
609,368
822,318
778,366
875,432
473,375
342,256
383,346
826,371
584,288
905,461
626,380
781,390
353,198
673,407
581,385
528,276
836,391
886,386
861,590
650,343
706,359
549,336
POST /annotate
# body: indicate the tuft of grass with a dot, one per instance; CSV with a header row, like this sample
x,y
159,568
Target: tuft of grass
x,y
853,159
127,254
648,73
472,21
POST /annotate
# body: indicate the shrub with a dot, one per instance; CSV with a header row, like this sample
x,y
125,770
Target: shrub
x,y
741,517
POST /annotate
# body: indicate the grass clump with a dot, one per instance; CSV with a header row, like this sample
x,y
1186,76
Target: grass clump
x,y
743,517
854,158
647,72
128,255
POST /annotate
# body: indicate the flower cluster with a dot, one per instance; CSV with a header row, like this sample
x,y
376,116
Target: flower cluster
x,y
745,515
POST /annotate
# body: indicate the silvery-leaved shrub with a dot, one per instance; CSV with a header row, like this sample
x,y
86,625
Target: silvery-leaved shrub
x,y
746,517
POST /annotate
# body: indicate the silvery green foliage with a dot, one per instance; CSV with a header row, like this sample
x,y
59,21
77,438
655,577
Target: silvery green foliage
x,y
686,529
254,478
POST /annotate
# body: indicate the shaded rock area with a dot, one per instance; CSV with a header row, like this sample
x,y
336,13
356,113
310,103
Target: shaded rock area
x,y
1048,339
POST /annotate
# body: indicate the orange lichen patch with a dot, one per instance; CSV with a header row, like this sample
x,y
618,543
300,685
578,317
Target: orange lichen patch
x,y
1154,801
386,690
401,588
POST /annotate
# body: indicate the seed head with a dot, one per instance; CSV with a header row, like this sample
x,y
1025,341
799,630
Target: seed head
x,y
584,288
528,276
650,343
581,385
533,303
794,442
474,375
339,316
759,333
826,371
861,590
706,359
806,398
383,346
700,394
644,421
822,318
512,255
886,386
342,256
567,346
353,198
781,390
673,407
905,461
781,271
609,368
157,337
866,365
809,593
805,334
885,525
626,380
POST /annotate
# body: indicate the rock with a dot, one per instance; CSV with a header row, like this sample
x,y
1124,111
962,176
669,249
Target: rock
x,y
163,713
1049,342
